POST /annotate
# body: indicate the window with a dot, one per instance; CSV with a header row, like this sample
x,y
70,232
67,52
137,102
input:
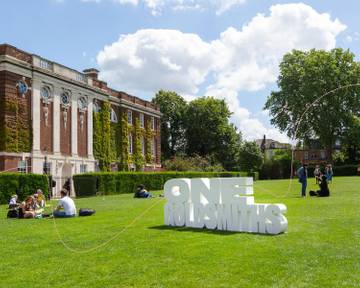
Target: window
x,y
83,168
142,140
22,166
306,155
152,123
45,94
65,99
129,115
322,155
113,116
82,103
142,123
130,146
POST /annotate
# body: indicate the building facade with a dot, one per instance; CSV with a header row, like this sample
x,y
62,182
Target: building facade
x,y
47,114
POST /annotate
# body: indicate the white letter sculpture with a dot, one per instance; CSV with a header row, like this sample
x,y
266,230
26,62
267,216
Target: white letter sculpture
x,y
222,204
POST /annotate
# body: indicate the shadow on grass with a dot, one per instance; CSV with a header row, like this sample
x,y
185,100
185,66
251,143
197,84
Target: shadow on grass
x,y
191,229
208,231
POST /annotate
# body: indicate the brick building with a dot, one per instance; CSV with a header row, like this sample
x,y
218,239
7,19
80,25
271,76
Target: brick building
x,y
46,117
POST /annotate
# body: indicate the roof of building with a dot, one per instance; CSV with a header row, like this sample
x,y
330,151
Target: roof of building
x,y
87,78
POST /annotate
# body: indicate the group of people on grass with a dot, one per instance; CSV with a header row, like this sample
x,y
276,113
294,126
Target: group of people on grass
x,y
322,179
34,206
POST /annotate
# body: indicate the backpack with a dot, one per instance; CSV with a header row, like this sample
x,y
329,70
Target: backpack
x,y
13,213
86,212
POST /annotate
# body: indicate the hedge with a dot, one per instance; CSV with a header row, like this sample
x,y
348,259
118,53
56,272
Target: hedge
x,y
270,172
21,184
108,183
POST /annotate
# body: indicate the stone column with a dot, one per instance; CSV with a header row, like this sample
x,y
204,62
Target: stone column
x,y
56,120
74,125
90,128
35,107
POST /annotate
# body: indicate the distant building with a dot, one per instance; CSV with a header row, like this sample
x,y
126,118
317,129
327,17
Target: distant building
x,y
46,117
269,146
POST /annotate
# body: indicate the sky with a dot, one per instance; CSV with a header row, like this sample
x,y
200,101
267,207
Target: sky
x,y
229,49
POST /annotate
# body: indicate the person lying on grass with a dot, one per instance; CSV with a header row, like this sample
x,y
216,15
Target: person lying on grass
x,y
67,204
141,192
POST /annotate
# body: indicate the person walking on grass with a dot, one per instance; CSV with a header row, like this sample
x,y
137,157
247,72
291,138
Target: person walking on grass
x,y
303,175
67,204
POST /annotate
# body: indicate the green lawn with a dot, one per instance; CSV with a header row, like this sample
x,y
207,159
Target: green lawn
x,y
320,249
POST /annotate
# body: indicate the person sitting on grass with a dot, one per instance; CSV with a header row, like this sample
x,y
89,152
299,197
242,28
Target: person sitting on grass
x,y
27,208
141,192
324,188
40,198
67,204
13,201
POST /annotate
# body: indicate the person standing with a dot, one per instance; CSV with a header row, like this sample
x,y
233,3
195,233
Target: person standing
x,y
317,174
303,175
329,173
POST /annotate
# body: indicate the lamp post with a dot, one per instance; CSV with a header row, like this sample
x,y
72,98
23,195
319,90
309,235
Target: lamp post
x,y
47,172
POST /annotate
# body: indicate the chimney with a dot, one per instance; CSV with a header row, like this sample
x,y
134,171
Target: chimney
x,y
91,73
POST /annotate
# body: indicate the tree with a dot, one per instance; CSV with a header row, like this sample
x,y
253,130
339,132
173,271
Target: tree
x,y
173,107
209,133
251,158
300,108
351,140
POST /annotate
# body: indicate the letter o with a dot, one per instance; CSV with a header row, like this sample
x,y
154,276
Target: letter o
x,y
177,190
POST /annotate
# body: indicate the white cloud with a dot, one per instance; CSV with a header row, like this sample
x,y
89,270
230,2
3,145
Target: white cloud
x,y
243,59
249,58
156,6
150,60
224,5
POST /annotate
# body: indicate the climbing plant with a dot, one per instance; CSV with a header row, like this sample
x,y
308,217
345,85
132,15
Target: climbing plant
x,y
102,145
149,134
15,132
124,143
138,156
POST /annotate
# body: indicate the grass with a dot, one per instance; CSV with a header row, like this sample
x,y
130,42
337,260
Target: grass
x,y
320,249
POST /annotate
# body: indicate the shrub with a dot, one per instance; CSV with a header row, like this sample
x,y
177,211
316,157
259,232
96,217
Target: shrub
x,y
126,182
21,184
194,163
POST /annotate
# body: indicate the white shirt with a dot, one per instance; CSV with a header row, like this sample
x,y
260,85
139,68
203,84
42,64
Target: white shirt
x,y
68,204
12,201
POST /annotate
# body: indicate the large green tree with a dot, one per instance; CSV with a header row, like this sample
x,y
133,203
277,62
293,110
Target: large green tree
x,y
173,107
251,158
304,107
351,140
208,131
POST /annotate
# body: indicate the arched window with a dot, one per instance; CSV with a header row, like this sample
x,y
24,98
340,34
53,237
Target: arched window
x,y
82,103
96,107
113,116
65,99
45,94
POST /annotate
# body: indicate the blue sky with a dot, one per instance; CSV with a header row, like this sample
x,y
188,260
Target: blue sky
x,y
226,48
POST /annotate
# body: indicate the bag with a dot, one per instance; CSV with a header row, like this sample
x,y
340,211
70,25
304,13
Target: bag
x,y
86,212
13,213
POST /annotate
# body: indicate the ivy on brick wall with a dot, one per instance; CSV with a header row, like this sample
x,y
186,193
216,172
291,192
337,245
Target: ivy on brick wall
x,y
111,141
149,135
138,156
103,151
124,143
15,133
